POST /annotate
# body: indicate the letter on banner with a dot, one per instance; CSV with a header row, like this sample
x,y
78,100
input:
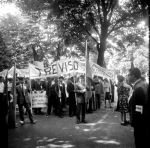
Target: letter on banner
x,y
75,65
54,69
70,65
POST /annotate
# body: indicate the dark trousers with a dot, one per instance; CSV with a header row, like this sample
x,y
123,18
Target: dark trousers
x,y
37,110
80,111
140,136
21,111
59,107
98,101
3,111
72,105
54,103
49,105
90,109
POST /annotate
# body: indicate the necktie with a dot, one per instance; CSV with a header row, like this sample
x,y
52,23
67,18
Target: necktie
x,y
22,89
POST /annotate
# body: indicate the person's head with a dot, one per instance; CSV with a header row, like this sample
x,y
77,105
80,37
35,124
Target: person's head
x,y
105,80
79,79
56,80
100,78
82,79
21,80
96,80
61,78
120,78
72,79
134,74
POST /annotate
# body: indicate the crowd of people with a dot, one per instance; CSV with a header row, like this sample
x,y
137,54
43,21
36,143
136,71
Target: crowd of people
x,y
82,98
72,93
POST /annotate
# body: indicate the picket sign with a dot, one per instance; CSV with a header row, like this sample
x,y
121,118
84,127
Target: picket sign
x,y
39,99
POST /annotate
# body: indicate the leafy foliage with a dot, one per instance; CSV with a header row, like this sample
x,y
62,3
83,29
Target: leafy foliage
x,y
4,54
52,29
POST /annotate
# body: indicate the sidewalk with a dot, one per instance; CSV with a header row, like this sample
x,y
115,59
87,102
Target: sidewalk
x,y
102,130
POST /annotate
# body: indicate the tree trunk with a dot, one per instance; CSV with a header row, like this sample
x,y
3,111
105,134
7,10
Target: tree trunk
x,y
132,61
101,47
100,60
132,65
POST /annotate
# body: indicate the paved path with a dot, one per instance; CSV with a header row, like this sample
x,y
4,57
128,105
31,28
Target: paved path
x,y
103,130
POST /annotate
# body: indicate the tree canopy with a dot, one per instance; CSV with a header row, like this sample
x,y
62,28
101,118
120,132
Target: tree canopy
x,y
51,29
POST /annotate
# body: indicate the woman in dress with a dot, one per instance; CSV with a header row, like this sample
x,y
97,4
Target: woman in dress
x,y
124,92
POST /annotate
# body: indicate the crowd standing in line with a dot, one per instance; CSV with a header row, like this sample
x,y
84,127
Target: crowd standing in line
x,y
132,98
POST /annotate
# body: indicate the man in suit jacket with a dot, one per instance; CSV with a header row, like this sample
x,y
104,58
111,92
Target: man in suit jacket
x,y
80,90
137,107
23,101
72,101
60,96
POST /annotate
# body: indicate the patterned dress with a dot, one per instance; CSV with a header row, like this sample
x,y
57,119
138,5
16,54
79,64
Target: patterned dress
x,y
123,94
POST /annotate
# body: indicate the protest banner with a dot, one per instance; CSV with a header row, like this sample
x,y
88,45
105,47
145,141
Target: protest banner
x,y
39,99
100,71
67,66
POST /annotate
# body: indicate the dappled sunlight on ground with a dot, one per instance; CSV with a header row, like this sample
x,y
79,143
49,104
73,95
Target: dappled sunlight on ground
x,y
107,142
60,146
102,130
92,137
92,127
27,139
46,142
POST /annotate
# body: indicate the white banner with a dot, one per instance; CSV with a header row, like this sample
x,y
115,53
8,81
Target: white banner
x,y
39,99
100,71
76,66
65,67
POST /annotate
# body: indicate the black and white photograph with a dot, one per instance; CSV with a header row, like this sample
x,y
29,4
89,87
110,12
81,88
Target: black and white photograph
x,y
74,74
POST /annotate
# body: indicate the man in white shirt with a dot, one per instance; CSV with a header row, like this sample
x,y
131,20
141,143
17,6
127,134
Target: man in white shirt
x,y
1,85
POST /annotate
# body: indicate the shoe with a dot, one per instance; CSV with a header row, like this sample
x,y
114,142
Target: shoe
x,y
84,121
33,122
127,122
123,123
21,122
16,125
61,116
77,122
